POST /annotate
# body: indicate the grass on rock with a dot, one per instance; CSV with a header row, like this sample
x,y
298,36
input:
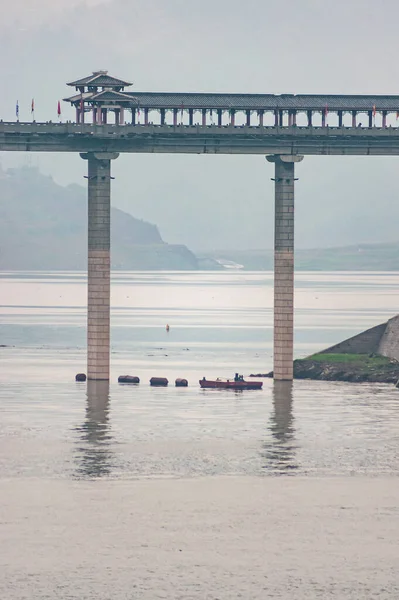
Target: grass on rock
x,y
366,360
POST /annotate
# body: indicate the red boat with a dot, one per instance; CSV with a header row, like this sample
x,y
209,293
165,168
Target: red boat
x,y
238,383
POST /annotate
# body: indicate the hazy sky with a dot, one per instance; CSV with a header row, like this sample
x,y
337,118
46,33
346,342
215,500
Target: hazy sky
x,y
220,45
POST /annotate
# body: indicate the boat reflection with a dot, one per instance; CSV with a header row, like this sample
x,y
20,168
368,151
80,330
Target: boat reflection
x,y
94,455
279,452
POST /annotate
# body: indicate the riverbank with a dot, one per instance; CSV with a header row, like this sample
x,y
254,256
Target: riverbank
x,y
371,368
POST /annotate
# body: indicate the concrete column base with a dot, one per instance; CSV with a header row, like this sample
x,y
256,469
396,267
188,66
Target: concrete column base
x,y
284,265
99,265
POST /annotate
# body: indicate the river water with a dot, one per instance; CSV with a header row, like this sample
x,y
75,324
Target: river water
x,y
114,491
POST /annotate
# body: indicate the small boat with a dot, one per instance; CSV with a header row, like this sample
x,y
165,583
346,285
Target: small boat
x,y
237,383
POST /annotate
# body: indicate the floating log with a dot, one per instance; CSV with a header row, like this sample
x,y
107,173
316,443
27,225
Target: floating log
x,y
128,379
181,382
160,381
80,377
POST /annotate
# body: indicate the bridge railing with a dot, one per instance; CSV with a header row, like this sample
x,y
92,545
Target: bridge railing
x,y
72,128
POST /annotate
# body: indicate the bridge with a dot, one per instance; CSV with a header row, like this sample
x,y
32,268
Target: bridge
x,y
199,139
284,128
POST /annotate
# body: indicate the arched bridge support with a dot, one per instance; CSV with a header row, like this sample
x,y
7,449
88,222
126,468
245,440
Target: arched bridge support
x,y
283,352
99,263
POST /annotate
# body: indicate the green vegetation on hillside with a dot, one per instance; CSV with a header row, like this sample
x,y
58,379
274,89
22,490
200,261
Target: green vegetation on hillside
x,y
347,367
365,360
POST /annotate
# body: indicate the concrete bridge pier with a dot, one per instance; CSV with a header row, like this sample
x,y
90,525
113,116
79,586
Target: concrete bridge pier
x,y
99,263
284,265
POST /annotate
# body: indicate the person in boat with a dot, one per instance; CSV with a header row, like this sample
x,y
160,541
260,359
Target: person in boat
x,y
238,377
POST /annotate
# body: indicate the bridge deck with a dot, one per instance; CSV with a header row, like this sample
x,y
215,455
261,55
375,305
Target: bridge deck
x,y
71,137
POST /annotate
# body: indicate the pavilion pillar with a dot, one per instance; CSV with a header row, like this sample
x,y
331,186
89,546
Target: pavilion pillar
x,y
204,117
121,116
370,115
284,265
232,117
310,115
99,263
133,116
294,117
340,118
219,117
77,115
248,121
384,118
289,118
190,117
175,113
117,116
261,113
162,116
99,115
323,118
146,110
280,116
353,118
276,118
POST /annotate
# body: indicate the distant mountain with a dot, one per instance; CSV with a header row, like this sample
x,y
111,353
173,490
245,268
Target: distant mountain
x,y
360,257
43,226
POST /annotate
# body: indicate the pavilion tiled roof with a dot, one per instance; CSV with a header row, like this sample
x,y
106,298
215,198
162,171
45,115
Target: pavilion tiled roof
x,y
101,79
112,95
170,100
105,96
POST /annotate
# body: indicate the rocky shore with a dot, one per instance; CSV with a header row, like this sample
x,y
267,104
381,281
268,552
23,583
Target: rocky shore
x,y
371,368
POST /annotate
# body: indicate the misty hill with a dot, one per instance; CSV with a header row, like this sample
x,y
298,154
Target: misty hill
x,y
44,226
361,257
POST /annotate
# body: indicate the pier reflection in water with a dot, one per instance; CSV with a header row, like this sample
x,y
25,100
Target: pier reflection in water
x,y
279,452
94,456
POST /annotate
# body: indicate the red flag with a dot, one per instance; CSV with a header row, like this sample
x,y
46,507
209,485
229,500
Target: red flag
x,y
32,107
59,109
81,103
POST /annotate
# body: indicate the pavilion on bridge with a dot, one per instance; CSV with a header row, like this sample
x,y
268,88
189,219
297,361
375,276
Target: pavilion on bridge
x,y
99,95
